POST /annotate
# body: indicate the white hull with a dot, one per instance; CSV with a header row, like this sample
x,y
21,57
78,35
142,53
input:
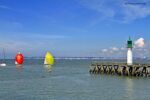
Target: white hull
x,y
129,57
2,64
16,63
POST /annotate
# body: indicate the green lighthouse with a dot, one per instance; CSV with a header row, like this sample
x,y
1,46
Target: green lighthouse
x,y
129,43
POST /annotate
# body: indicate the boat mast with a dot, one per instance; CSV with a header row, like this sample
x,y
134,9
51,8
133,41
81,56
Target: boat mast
x,y
3,55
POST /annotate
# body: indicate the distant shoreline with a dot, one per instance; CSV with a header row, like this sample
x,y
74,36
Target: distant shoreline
x,y
82,58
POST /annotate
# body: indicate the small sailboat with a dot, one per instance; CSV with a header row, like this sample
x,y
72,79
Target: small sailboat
x,y
3,63
19,59
49,59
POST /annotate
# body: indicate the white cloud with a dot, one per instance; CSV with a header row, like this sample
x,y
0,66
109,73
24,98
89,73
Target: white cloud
x,y
4,7
118,10
30,45
139,43
99,6
141,49
50,36
104,50
133,12
112,51
115,49
12,26
28,48
122,48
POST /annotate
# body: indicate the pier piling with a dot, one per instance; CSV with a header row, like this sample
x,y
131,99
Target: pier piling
x,y
121,69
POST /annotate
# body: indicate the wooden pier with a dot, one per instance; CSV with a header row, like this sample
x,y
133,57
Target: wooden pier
x,y
123,69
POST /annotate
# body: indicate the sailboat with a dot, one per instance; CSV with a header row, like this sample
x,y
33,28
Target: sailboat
x,y
19,59
49,59
3,63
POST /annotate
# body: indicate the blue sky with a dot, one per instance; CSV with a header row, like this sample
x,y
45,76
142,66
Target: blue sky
x,y
73,27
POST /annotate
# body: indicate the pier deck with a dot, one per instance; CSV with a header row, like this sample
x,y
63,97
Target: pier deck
x,y
120,69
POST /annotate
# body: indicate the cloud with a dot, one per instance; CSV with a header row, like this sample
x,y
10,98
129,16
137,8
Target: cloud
x,y
104,50
5,7
122,48
139,43
112,51
28,48
115,49
99,6
47,36
118,10
11,26
133,12
141,49
32,44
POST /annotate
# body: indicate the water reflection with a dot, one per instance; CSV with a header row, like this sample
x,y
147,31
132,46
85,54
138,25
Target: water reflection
x,y
48,68
129,88
19,67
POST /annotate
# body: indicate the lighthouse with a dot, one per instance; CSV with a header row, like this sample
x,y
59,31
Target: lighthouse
x,y
129,52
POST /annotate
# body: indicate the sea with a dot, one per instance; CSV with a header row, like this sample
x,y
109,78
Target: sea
x,y
67,80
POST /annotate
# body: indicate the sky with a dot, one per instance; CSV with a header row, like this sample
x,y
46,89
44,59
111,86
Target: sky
x,y
79,28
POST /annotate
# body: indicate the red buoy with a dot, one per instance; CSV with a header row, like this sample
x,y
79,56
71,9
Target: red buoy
x,y
19,58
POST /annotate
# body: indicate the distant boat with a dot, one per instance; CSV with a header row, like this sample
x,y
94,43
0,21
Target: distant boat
x,y
19,59
49,59
3,63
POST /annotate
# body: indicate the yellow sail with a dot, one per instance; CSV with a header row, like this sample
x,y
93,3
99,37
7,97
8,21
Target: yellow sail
x,y
49,59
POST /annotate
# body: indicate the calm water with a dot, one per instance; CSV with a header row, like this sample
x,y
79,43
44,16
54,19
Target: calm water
x,y
68,80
